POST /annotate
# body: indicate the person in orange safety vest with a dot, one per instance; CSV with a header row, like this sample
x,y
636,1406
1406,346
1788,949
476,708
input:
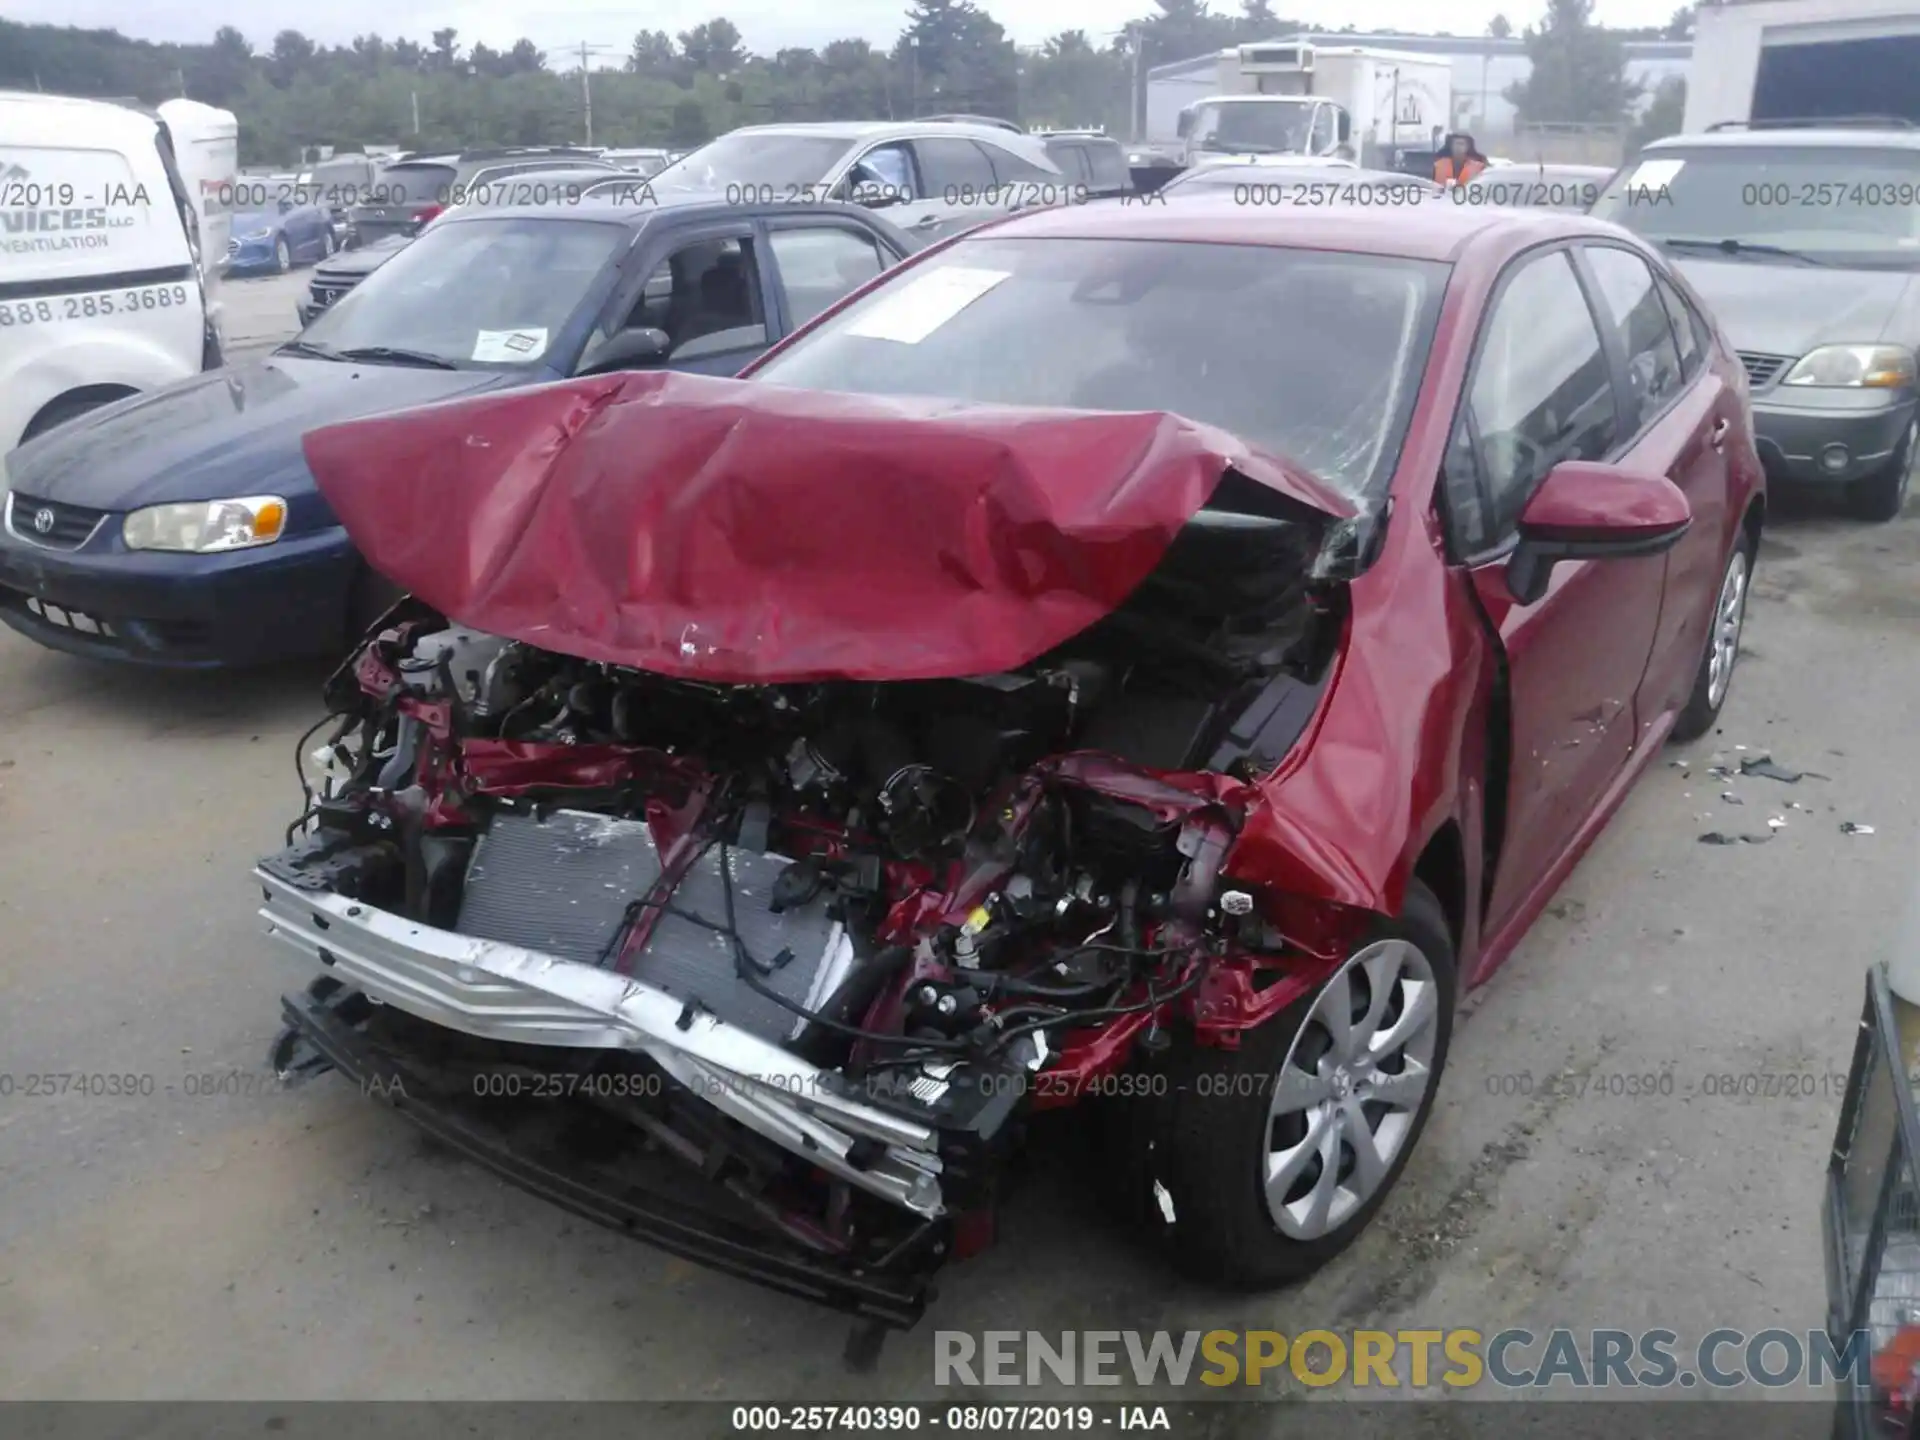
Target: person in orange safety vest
x,y
1459,162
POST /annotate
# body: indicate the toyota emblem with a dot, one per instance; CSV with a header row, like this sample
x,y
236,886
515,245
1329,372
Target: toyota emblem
x,y
43,520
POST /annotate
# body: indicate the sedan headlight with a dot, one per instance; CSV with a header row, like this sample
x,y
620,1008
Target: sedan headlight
x,y
203,527
1854,367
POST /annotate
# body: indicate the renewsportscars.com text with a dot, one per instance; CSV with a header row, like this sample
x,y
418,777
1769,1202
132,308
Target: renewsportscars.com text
x,y
1513,1359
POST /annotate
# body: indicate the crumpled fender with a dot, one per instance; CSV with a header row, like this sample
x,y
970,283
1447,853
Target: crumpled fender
x,y
738,532
1378,771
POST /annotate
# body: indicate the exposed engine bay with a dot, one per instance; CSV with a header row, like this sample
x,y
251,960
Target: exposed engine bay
x,y
825,943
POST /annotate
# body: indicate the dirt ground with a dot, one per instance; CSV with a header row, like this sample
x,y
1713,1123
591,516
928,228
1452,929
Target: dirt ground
x,y
269,1244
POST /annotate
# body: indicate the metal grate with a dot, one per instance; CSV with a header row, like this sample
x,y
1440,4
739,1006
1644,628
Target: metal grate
x,y
52,523
1763,370
325,293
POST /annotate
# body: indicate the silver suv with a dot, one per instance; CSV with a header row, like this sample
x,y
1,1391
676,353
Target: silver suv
x,y
929,177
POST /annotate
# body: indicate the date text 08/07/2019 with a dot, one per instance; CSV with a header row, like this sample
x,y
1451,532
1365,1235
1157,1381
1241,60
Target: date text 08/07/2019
x,y
889,1419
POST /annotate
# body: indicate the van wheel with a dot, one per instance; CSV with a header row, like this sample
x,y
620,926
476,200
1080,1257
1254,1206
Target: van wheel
x,y
282,256
62,411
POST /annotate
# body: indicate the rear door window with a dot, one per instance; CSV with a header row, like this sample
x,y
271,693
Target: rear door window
x,y
956,171
819,264
1072,160
1012,169
1639,318
1109,164
1689,330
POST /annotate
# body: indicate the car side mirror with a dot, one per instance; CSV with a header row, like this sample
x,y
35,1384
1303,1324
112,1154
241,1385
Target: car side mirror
x,y
1184,124
632,349
1588,511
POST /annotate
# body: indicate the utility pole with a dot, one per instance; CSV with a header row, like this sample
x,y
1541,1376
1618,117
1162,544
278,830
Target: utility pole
x,y
586,89
1133,90
414,97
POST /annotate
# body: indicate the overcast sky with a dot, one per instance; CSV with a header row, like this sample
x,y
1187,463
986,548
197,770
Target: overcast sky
x,y
766,24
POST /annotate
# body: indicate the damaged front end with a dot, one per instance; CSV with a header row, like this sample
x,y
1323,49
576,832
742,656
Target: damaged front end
x,y
771,973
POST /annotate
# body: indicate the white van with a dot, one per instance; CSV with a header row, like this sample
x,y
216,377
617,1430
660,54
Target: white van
x,y
101,290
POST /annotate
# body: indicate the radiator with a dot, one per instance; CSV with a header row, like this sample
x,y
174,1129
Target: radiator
x,y
561,883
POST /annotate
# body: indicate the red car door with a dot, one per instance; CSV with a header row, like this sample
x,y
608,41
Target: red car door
x,y
1685,416
1543,391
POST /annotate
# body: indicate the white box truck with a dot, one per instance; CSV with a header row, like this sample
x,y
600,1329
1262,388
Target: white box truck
x,y
1375,107
1775,60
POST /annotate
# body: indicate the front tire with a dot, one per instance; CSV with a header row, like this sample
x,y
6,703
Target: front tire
x,y
1712,681
1275,1156
1883,495
282,256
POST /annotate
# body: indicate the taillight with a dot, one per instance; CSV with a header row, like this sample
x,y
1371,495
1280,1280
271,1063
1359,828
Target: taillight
x,y
426,213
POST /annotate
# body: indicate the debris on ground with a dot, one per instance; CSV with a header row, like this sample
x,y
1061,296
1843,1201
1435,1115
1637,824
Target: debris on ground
x,y
1777,822
1731,798
1849,827
1715,837
1763,766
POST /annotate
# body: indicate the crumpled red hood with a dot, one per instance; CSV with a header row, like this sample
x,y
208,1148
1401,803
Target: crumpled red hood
x,y
734,531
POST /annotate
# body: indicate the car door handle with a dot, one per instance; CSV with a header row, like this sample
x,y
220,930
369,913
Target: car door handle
x,y
1720,429
926,222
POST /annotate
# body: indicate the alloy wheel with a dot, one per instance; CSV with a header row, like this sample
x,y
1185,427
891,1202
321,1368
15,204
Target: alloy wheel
x,y
1351,1090
1729,615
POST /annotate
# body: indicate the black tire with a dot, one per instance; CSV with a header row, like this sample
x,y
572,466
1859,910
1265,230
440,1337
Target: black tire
x,y
1209,1147
1703,706
326,244
282,256
1883,495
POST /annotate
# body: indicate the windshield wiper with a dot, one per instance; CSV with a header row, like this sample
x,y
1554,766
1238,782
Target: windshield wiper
x,y
307,347
396,356
1741,247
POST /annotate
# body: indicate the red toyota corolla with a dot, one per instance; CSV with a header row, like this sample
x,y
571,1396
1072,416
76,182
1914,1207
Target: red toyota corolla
x,y
1148,659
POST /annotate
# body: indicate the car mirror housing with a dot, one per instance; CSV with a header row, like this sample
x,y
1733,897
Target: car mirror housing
x,y
1589,511
631,349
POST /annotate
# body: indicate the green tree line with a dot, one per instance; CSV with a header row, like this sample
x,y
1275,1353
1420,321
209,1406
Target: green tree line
x,y
679,90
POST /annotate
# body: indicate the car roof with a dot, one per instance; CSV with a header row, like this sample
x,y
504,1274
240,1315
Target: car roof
x,y
33,120
1795,137
880,129
1215,177
1415,232
636,213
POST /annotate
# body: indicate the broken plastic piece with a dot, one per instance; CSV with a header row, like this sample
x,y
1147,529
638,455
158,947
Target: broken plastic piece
x,y
1776,822
1731,798
1714,837
1849,827
1763,766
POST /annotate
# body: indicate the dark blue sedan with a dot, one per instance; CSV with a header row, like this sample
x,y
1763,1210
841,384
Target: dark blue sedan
x,y
181,528
272,242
